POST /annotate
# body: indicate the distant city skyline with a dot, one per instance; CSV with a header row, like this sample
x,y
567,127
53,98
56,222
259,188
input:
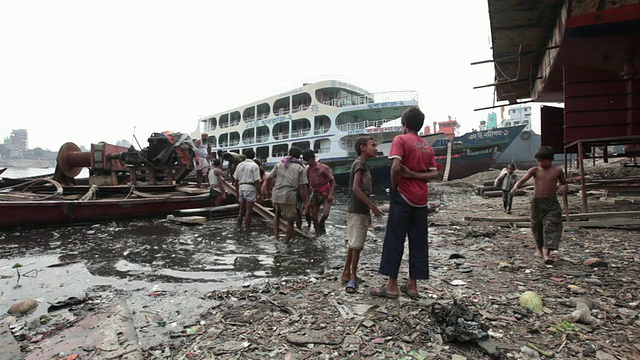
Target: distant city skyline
x,y
24,143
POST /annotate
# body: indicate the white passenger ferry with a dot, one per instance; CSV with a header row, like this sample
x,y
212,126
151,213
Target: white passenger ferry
x,y
326,116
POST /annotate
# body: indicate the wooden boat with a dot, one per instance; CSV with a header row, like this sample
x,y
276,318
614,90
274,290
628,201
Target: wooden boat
x,y
124,183
56,210
473,152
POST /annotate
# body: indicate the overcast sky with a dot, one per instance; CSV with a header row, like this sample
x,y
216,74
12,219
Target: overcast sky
x,y
88,71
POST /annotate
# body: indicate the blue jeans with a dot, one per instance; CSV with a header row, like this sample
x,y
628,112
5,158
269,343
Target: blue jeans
x,y
405,219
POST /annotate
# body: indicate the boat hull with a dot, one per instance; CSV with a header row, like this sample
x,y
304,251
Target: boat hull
x,y
461,167
43,213
522,152
467,165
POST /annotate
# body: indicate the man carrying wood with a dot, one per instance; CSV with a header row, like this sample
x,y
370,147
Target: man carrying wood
x,y
288,176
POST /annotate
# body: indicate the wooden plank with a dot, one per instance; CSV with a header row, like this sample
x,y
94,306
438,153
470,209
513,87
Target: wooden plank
x,y
582,216
192,190
150,196
207,210
583,224
606,223
198,220
265,213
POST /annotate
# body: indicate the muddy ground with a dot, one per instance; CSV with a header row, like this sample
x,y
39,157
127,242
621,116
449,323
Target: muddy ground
x,y
468,309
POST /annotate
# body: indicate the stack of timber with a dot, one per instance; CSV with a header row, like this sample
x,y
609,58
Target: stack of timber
x,y
487,190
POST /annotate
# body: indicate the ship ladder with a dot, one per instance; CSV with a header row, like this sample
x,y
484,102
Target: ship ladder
x,y
448,164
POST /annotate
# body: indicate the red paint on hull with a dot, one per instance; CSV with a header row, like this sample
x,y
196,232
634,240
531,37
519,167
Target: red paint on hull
x,y
42,213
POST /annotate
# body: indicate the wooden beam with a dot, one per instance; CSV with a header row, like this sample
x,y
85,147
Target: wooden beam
x,y
265,213
582,216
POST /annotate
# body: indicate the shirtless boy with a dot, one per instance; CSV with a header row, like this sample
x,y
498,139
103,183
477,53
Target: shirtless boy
x,y
322,185
546,214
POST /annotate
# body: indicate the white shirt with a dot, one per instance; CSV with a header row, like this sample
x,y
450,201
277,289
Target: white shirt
x,y
247,173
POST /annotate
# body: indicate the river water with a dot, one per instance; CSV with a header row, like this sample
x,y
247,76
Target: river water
x,y
142,256
21,172
145,255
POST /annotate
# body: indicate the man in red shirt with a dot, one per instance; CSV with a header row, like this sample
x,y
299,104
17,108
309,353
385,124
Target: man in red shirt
x,y
413,165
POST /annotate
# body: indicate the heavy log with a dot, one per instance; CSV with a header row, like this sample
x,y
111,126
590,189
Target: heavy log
x,y
498,193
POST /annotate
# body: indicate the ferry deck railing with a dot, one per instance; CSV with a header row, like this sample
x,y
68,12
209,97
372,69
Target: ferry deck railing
x,y
373,98
361,125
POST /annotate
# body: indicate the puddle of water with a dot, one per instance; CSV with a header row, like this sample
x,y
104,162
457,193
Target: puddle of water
x,y
142,256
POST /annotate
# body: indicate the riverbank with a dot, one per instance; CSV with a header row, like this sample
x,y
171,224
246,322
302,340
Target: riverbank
x,y
27,163
481,266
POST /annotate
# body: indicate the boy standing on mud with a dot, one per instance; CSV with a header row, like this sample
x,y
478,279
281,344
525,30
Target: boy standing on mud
x,y
414,164
506,181
546,215
359,208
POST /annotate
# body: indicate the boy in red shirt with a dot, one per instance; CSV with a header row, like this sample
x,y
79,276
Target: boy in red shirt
x,y
413,165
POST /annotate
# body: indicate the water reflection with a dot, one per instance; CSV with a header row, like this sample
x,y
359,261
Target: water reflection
x,y
161,251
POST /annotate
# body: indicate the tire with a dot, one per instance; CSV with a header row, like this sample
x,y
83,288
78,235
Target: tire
x,y
525,135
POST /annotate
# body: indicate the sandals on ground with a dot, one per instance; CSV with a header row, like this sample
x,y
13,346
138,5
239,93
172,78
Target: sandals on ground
x,y
352,287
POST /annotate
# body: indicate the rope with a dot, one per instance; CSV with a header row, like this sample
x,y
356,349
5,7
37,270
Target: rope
x,y
91,194
31,183
131,190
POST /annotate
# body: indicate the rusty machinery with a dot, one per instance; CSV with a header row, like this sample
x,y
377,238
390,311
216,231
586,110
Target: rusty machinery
x,y
168,158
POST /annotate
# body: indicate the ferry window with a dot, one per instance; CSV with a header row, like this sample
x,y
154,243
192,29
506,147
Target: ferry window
x,y
300,127
235,118
224,140
281,106
249,114
303,145
262,111
262,134
322,146
234,138
224,121
213,123
280,150
281,131
262,153
248,136
321,125
301,102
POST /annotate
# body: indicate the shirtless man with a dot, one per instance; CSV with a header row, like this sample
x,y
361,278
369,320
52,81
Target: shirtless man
x,y
322,185
546,214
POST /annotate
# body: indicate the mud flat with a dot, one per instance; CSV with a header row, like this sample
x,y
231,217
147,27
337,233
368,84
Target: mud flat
x,y
469,308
